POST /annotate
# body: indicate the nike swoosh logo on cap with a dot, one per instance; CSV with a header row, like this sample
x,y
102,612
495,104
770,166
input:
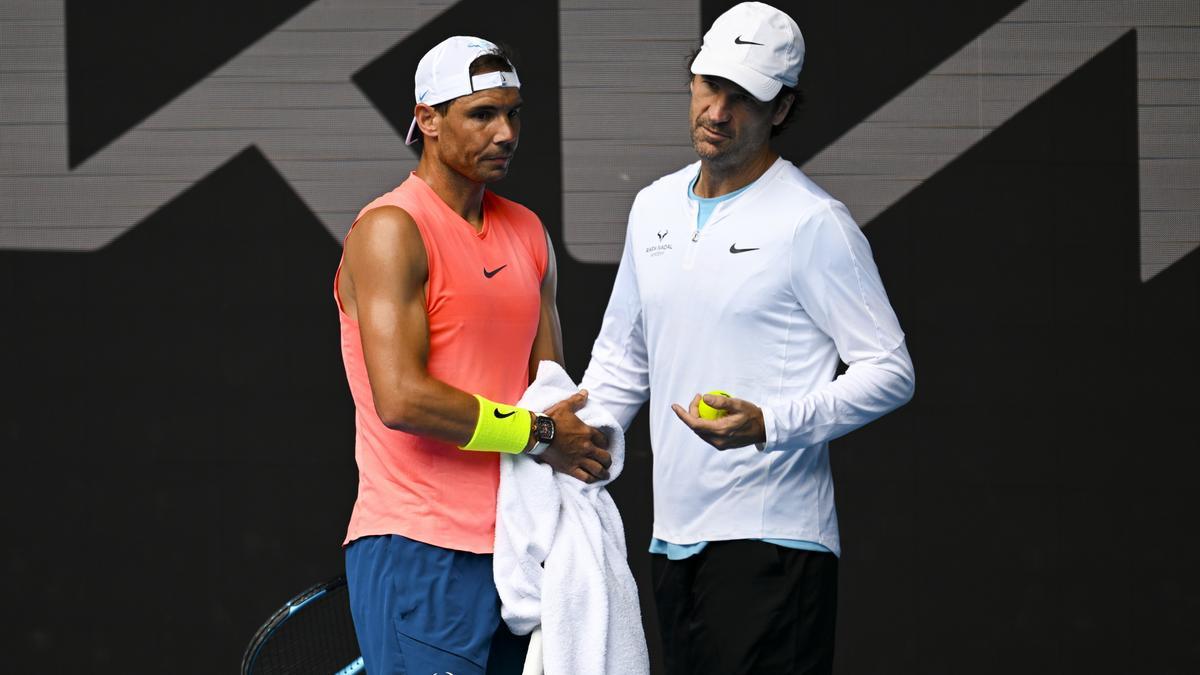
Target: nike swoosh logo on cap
x,y
739,41
734,249
494,272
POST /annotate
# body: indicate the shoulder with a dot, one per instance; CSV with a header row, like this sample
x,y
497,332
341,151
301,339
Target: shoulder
x,y
385,217
385,231
513,211
397,196
792,191
789,182
662,200
669,186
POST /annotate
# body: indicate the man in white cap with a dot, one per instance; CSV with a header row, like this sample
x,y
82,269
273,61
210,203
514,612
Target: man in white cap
x,y
446,298
741,275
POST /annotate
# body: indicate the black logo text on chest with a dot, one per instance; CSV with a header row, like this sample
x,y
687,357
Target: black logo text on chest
x,y
662,247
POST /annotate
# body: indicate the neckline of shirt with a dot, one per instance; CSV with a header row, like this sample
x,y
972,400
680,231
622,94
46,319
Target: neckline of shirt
x,y
709,210
482,232
691,184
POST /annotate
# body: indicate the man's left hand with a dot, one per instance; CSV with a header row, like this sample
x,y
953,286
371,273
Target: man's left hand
x,y
741,425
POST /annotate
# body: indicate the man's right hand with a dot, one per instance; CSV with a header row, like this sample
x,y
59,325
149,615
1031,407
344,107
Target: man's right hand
x,y
578,450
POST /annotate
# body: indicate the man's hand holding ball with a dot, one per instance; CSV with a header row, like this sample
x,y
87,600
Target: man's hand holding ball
x,y
723,421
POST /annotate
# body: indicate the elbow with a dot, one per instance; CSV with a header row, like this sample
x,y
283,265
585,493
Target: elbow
x,y
898,384
392,417
903,376
395,412
906,385
908,388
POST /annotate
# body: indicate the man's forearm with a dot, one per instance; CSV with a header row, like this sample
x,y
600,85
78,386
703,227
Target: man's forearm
x,y
618,389
868,390
426,406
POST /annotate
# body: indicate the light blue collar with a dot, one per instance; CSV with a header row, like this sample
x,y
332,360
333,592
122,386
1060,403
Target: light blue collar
x,y
706,205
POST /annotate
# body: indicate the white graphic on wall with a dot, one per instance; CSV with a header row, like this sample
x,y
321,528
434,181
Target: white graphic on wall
x,y
623,117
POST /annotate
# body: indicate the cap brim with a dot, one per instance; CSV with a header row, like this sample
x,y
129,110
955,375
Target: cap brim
x,y
761,87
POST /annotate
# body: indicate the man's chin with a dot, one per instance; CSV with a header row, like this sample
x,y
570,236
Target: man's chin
x,y
489,174
707,151
494,175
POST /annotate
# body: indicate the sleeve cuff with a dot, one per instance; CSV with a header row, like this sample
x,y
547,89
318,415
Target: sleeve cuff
x,y
769,427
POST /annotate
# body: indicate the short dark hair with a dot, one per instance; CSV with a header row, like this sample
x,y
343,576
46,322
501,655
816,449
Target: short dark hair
x,y
795,92
502,58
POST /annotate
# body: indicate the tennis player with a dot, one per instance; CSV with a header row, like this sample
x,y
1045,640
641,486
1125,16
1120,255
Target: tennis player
x,y
741,274
446,294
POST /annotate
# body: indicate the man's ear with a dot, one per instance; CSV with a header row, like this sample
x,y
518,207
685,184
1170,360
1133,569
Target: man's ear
x,y
428,120
785,104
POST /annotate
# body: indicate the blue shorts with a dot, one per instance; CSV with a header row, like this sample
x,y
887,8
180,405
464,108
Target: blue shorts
x,y
424,609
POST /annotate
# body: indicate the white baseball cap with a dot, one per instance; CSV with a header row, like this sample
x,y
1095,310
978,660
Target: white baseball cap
x,y
444,73
755,45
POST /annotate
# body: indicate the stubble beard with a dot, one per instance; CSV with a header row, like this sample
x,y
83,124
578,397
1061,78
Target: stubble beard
x,y
477,170
728,156
490,176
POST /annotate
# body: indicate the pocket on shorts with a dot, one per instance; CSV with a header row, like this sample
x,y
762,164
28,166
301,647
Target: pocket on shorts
x,y
420,657
445,616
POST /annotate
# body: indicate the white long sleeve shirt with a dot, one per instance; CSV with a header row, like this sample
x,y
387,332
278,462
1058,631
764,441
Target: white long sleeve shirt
x,y
763,302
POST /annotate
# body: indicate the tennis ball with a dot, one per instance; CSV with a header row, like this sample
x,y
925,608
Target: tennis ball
x,y
710,413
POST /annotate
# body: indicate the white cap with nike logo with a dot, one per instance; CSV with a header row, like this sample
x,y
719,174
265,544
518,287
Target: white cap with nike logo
x,y
754,45
444,73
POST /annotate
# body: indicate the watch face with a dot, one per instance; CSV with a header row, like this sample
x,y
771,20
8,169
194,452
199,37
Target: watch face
x,y
545,429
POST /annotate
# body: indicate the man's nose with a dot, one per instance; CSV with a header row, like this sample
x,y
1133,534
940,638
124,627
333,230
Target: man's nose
x,y
507,131
720,109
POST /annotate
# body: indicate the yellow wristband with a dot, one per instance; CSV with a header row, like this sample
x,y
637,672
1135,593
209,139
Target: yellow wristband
x,y
500,428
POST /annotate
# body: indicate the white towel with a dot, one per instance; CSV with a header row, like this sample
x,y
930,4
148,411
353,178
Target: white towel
x,y
584,597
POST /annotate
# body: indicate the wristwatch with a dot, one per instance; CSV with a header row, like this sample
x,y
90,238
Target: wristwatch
x,y
543,431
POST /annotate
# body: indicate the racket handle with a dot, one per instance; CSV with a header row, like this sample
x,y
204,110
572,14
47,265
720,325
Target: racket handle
x,y
354,667
533,658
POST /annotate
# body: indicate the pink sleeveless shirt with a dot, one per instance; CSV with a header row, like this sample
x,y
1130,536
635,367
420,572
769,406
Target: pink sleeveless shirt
x,y
483,304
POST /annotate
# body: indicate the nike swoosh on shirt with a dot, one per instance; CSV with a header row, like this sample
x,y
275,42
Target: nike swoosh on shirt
x,y
734,249
739,41
510,413
494,272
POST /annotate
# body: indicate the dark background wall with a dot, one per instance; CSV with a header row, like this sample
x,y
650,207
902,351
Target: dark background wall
x,y
178,435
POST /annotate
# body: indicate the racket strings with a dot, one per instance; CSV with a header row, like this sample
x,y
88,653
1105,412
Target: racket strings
x,y
317,638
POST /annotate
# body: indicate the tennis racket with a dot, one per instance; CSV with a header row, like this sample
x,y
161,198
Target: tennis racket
x,y
312,634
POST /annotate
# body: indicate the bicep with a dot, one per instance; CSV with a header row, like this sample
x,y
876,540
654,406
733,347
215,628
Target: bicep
x,y
389,268
835,278
618,376
547,343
